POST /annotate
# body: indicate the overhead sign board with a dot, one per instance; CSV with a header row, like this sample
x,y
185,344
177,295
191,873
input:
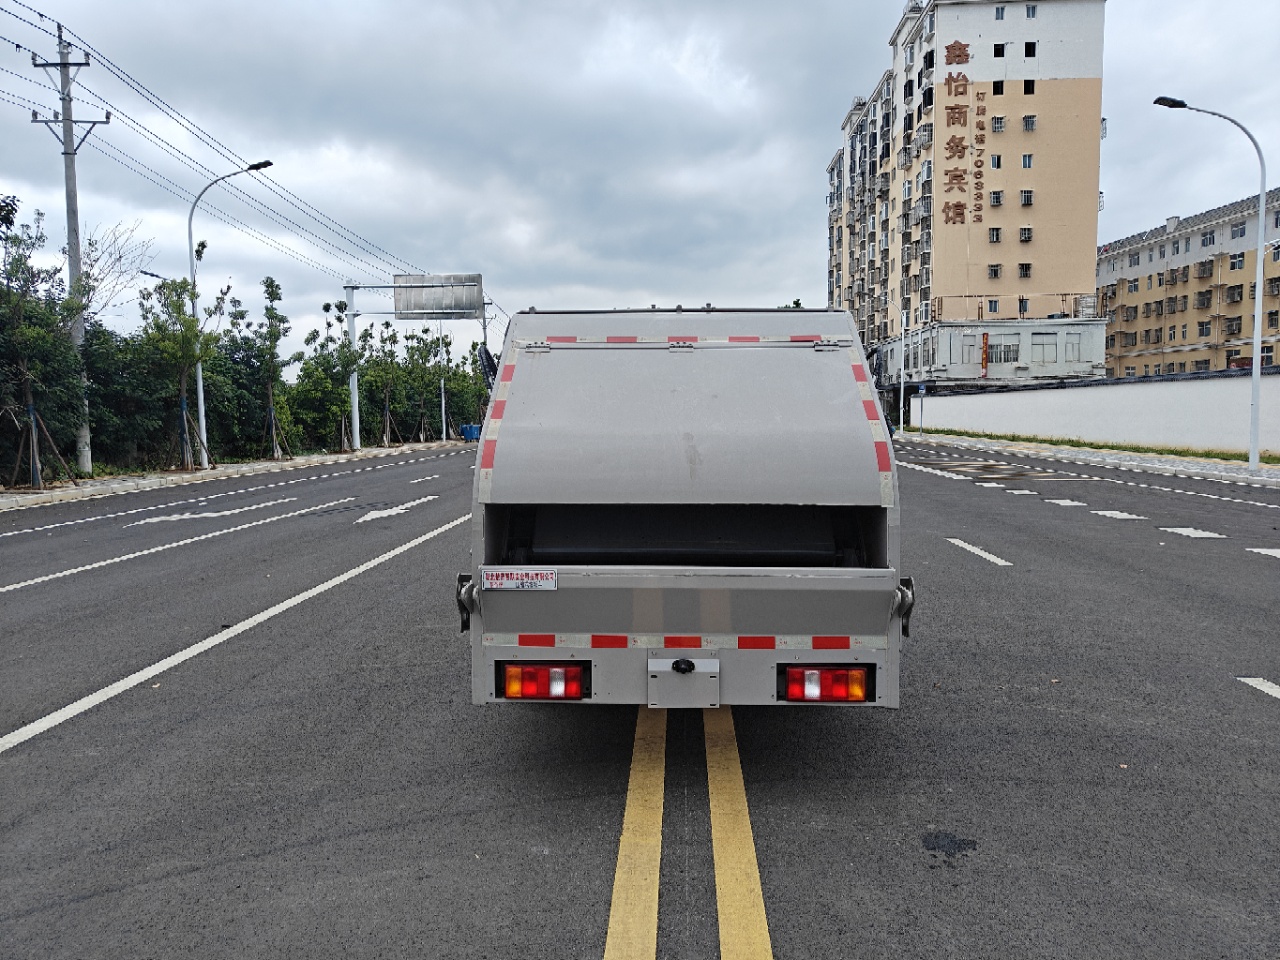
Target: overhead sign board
x,y
439,296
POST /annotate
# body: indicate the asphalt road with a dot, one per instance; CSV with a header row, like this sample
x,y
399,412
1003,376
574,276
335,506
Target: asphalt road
x,y
1076,770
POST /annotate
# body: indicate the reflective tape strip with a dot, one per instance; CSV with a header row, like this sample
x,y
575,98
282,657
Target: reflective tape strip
x,y
507,372
499,408
621,339
879,435
859,373
883,460
744,340
869,408
805,337
562,339
487,454
682,339
492,427
651,641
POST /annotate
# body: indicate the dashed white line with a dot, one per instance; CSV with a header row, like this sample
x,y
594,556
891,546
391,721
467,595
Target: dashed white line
x,y
991,485
1118,515
167,546
22,734
1068,503
936,473
979,552
434,476
1023,493
1265,551
1266,686
1194,533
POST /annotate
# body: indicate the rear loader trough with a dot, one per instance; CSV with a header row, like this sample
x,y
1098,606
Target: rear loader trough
x,y
685,509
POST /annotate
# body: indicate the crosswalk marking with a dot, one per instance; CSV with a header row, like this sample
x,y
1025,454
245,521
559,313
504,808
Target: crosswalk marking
x,y
1194,533
1118,515
1068,503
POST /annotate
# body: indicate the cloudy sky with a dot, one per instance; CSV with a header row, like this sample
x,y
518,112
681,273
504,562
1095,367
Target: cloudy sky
x,y
577,153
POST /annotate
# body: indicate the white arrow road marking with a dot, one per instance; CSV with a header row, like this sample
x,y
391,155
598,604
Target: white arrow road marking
x,y
980,552
434,476
1118,515
1265,551
394,511
11,740
1266,686
1068,503
211,514
169,546
1194,533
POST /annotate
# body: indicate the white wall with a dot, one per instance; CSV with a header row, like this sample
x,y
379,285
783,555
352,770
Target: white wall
x,y
1208,414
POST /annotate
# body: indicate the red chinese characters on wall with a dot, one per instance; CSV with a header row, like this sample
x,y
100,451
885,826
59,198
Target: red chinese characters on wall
x,y
965,148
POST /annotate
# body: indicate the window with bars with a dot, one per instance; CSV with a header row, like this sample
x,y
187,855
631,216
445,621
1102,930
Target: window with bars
x,y
1024,234
997,124
996,198
1024,271
993,271
994,234
1028,197
1029,123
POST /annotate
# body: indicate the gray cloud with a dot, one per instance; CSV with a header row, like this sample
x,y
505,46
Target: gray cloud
x,y
578,153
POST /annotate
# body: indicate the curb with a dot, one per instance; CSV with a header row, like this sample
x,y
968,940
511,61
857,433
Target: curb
x,y
1164,466
92,489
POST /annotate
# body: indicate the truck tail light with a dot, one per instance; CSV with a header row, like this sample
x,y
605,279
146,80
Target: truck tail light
x,y
543,681
826,684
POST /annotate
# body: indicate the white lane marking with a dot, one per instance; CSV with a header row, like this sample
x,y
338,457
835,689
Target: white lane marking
x,y
1266,686
1068,503
394,511
1194,533
936,473
434,476
1265,551
980,552
209,515
37,727
1000,485
1118,515
167,546
1023,493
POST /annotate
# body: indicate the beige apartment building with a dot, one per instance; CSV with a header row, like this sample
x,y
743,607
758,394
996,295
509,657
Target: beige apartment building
x,y
1180,298
963,205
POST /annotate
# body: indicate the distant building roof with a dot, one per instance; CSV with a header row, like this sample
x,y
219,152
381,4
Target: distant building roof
x,y
1232,211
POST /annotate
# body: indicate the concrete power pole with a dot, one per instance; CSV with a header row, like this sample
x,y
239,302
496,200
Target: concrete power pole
x,y
66,136
353,384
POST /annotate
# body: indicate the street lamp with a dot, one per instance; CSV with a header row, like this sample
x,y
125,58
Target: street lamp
x,y
191,251
1255,400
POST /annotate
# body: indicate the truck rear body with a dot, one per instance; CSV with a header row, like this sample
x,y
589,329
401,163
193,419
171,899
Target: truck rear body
x,y
685,509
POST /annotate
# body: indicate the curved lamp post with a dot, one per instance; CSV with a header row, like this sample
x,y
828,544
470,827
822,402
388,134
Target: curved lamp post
x,y
191,252
1256,364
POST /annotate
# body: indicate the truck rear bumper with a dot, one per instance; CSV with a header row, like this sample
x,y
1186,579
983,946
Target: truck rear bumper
x,y
643,674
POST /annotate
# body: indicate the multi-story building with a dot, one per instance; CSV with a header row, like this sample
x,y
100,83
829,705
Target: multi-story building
x,y
964,199
1180,298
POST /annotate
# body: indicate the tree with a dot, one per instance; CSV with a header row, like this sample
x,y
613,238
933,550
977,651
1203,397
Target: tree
x,y
381,371
320,400
181,340
39,366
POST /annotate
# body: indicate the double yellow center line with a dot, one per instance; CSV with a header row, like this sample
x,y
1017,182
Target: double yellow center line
x,y
633,916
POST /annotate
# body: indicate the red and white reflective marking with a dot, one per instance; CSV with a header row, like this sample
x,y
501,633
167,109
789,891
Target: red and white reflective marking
x,y
660,641
683,338
493,424
879,435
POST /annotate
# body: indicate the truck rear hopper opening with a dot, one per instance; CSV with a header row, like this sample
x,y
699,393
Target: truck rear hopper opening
x,y
711,535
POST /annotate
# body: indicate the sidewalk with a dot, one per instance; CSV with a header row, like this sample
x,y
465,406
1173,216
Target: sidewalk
x,y
84,489
1204,468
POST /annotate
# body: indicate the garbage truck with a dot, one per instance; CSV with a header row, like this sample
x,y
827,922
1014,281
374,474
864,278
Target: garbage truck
x,y
685,508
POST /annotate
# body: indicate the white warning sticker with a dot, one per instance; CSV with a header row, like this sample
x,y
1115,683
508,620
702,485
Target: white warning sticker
x,y
517,578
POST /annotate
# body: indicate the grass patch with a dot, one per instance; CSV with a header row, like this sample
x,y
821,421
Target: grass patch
x,y
1118,448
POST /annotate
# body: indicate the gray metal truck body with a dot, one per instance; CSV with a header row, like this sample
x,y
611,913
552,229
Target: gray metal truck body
x,y
682,505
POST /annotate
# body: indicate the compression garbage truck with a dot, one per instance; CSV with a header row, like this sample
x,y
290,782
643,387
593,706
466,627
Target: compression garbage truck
x,y
685,508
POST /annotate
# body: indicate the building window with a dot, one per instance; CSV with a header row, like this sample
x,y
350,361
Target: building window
x,y
993,271
1026,161
1024,234
1003,347
1273,319
1029,123
999,50
997,88
1130,371
1175,248
1182,368
1044,348
1072,353
1024,271
1237,231
1232,326
1204,328
1268,355
993,306
1135,259
993,234
997,198
1028,197
997,161
1202,366
1237,259
1133,286
1235,293
1000,13
1028,87
997,124
1206,238
1029,48
1031,11
1184,331
1162,253
1172,333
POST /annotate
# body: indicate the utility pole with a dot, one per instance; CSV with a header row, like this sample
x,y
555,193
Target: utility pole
x,y
70,146
353,383
444,424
